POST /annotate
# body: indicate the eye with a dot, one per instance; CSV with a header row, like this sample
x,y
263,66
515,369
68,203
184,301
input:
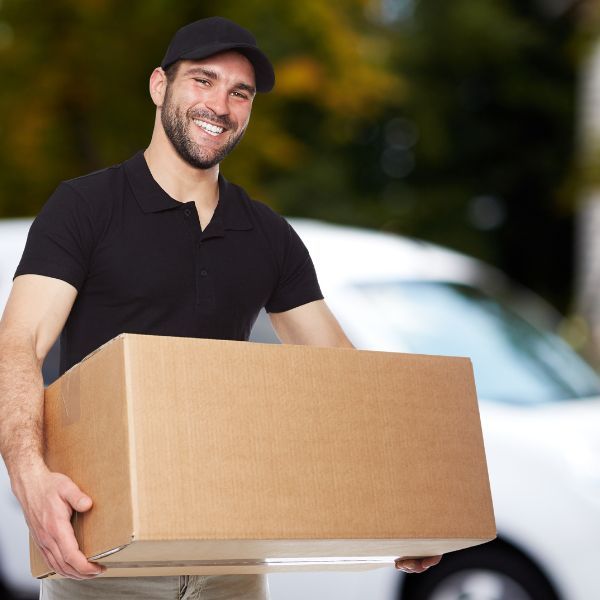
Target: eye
x,y
200,80
239,95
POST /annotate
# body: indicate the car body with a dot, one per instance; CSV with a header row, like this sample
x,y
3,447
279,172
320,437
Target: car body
x,y
539,405
540,411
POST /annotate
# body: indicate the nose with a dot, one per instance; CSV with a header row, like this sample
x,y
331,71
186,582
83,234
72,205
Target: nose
x,y
218,101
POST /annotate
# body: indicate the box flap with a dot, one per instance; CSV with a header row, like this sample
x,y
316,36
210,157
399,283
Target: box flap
x,y
87,438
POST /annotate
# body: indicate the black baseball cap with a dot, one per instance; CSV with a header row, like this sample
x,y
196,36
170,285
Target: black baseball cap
x,y
206,37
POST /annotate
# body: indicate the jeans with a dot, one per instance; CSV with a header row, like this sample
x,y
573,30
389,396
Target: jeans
x,y
192,587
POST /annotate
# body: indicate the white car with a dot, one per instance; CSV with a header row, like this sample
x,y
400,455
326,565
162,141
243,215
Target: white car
x,y
540,410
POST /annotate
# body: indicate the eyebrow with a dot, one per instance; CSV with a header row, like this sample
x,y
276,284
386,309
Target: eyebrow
x,y
210,74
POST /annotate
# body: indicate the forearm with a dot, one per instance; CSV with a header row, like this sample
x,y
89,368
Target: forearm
x,y
21,408
48,499
311,324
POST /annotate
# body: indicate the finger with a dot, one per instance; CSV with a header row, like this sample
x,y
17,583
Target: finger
x,y
75,497
50,560
53,555
55,560
84,568
406,565
411,565
59,541
68,570
49,549
72,556
419,568
431,561
416,566
67,553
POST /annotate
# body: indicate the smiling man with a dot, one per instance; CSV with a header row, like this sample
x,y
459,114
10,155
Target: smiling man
x,y
225,128
161,244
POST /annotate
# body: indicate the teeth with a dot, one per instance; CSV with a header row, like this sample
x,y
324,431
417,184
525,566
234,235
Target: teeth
x,y
212,129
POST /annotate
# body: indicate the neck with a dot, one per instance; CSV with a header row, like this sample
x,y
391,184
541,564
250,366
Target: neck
x,y
179,179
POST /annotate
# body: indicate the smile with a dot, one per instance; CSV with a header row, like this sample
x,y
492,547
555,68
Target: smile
x,y
211,129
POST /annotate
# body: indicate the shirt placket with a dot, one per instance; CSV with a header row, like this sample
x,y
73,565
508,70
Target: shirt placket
x,y
204,278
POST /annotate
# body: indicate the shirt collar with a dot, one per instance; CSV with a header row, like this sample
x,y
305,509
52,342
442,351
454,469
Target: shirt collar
x,y
231,212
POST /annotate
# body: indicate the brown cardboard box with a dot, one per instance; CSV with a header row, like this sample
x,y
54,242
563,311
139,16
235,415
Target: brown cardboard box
x,y
209,456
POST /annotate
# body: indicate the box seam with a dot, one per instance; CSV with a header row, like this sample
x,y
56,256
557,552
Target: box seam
x,y
131,438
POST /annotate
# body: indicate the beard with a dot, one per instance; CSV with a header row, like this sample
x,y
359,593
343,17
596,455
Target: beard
x,y
177,127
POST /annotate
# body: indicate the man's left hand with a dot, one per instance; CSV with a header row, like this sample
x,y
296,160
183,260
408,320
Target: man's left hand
x,y
416,565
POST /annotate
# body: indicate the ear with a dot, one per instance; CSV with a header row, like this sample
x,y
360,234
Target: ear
x,y
158,86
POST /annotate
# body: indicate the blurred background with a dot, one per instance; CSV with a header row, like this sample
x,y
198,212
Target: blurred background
x,y
473,125
456,122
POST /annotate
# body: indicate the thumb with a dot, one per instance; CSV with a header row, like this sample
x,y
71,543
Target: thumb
x,y
77,499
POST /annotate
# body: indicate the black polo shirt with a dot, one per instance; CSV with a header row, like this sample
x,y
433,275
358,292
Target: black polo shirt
x,y
142,264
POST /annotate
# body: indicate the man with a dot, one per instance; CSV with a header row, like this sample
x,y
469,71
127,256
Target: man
x,y
160,244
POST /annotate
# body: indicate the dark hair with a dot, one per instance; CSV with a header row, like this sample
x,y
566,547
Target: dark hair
x,y
171,71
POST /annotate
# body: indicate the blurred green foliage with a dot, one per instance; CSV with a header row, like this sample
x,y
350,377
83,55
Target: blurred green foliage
x,y
451,121
493,93
75,81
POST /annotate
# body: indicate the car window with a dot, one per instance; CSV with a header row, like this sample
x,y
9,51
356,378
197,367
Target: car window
x,y
513,361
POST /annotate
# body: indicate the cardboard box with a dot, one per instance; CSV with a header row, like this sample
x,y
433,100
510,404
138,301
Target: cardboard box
x,y
209,456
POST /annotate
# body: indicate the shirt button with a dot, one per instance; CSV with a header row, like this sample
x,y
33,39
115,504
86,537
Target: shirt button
x,y
187,212
204,272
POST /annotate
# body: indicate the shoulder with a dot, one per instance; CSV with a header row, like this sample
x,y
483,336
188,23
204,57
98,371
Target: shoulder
x,y
283,241
94,185
80,206
267,220
88,196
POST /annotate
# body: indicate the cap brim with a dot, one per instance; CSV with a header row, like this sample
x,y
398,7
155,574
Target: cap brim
x,y
263,69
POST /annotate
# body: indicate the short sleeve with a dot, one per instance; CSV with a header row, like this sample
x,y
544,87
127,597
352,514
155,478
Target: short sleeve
x,y
298,283
60,239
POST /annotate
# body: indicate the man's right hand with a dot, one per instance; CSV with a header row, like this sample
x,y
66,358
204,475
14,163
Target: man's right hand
x,y
35,314
48,500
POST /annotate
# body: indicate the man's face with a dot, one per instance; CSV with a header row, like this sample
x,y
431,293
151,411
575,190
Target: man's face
x,y
206,108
